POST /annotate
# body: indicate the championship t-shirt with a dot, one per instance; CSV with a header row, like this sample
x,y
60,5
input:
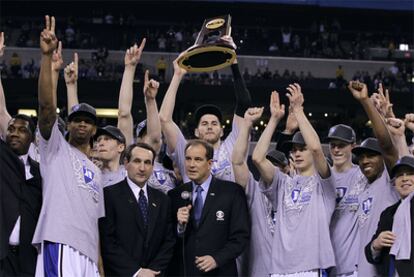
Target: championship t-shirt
x,y
344,223
304,205
72,197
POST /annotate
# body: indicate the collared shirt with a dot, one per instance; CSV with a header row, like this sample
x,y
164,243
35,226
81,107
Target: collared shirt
x,y
136,189
14,238
205,185
24,158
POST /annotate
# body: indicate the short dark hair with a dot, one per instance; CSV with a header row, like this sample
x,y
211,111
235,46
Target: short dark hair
x,y
209,148
128,151
32,126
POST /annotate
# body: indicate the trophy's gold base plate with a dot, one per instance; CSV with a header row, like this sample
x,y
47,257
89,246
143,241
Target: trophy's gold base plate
x,y
207,58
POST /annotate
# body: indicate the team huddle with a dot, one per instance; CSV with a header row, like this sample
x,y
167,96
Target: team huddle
x,y
78,200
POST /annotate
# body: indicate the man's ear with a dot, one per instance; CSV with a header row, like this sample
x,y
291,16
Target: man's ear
x,y
221,133
196,133
94,130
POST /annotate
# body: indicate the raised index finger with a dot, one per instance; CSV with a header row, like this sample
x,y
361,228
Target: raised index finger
x,y
142,45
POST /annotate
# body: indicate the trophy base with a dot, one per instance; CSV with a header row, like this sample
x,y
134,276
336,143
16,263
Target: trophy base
x,y
207,58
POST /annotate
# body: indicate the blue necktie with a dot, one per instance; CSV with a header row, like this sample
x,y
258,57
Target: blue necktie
x,y
391,269
198,205
143,206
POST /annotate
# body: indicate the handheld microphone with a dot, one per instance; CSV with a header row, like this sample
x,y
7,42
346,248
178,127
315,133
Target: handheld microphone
x,y
186,196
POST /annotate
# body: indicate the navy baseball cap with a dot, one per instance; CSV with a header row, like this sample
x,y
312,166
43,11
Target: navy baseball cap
x,y
404,161
111,131
83,109
343,133
277,157
297,139
207,109
370,144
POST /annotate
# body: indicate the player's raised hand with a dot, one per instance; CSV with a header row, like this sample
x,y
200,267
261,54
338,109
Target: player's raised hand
x,y
57,60
71,70
252,115
48,40
150,86
133,54
396,126
409,121
179,71
358,90
276,109
295,96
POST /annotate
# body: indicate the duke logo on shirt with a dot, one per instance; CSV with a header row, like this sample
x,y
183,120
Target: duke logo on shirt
x,y
340,193
295,195
366,205
160,176
88,174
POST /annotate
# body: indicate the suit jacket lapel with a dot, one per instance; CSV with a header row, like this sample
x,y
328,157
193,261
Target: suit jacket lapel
x,y
132,203
153,209
211,194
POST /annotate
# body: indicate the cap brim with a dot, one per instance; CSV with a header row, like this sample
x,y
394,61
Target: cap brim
x,y
339,138
360,150
79,113
289,144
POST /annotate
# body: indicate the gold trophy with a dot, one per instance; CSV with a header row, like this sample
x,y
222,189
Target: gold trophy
x,y
210,52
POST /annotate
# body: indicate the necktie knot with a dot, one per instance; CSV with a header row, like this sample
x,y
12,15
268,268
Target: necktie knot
x,y
141,193
199,189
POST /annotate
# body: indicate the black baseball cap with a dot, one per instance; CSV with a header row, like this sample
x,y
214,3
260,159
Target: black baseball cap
x,y
207,109
111,131
370,144
297,139
83,109
342,132
277,157
404,161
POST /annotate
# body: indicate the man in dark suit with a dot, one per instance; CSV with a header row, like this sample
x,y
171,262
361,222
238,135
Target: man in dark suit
x,y
137,236
21,199
394,222
213,225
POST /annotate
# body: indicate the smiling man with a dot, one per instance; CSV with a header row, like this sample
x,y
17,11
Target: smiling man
x,y
349,183
110,146
23,199
391,249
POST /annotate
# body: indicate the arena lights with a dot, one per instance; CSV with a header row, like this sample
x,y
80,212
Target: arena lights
x,y
310,114
228,121
57,110
261,122
326,115
404,47
28,112
104,112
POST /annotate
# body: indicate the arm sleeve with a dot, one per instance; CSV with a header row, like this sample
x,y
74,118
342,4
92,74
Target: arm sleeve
x,y
243,98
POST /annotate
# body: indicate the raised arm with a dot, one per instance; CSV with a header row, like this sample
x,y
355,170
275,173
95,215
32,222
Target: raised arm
x,y
238,160
4,114
168,126
153,136
125,121
71,80
46,91
309,134
397,130
360,93
57,62
264,166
